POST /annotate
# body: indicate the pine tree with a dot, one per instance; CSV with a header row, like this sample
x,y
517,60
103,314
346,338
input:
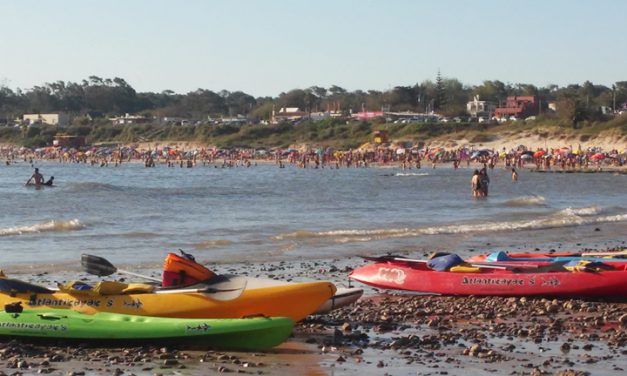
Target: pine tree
x,y
440,100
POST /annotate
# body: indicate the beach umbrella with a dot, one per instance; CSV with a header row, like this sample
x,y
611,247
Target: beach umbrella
x,y
526,157
597,157
539,153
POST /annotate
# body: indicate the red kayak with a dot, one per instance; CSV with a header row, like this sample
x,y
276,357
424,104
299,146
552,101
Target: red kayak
x,y
414,275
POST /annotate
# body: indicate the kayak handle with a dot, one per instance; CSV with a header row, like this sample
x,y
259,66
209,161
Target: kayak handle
x,y
51,316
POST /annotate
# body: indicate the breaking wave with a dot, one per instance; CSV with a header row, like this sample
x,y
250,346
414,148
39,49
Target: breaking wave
x,y
563,218
412,174
525,201
49,226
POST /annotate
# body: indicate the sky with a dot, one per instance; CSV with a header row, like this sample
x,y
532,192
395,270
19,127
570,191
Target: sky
x,y
266,47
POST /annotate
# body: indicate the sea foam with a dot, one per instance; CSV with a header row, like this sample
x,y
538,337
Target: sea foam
x,y
49,226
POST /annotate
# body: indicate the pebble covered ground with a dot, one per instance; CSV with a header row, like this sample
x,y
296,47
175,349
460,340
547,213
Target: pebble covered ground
x,y
383,333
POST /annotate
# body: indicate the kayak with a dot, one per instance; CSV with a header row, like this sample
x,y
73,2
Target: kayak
x,y
183,270
233,334
415,276
295,301
344,296
550,257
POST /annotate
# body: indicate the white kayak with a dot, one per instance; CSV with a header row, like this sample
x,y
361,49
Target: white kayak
x,y
343,297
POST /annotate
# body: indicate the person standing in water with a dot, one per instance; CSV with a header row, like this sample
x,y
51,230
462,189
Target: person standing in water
x,y
514,175
475,184
37,178
484,181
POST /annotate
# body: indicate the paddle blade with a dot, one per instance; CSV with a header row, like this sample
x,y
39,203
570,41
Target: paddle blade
x,y
97,265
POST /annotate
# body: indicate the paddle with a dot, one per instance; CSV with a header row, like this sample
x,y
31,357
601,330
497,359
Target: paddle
x,y
221,287
102,267
403,259
601,254
525,268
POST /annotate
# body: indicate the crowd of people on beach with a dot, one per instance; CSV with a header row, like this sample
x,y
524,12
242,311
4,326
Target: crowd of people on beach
x,y
566,158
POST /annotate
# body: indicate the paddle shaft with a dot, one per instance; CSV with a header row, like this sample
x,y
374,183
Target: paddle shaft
x,y
617,253
139,275
486,266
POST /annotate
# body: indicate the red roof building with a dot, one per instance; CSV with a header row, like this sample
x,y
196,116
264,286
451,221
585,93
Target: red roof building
x,y
520,107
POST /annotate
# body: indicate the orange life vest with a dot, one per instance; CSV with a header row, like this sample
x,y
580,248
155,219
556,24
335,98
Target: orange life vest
x,y
180,271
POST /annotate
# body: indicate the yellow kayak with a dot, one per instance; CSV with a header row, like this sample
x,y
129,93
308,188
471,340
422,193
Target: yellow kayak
x,y
295,301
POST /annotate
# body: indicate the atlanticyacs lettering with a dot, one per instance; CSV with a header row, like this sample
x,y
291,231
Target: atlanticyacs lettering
x,y
33,327
53,302
493,281
197,328
133,304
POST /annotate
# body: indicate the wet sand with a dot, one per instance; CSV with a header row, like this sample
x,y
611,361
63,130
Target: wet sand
x,y
384,333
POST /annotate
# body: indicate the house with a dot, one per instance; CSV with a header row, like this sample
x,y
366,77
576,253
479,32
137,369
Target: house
x,y
289,114
519,107
319,116
477,108
60,119
129,119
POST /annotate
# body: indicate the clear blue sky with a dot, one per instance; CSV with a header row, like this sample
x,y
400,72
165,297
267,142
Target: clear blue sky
x,y
266,47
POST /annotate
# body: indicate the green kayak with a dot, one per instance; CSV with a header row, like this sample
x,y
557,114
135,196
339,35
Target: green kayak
x,y
111,328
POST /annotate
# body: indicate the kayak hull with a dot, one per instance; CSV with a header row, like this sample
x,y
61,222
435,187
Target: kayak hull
x,y
295,301
343,296
111,328
491,282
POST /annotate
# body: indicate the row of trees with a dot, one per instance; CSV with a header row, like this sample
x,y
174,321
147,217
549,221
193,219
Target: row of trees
x,y
447,96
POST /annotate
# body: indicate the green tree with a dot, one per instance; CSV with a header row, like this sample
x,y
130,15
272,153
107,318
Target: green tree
x,y
440,98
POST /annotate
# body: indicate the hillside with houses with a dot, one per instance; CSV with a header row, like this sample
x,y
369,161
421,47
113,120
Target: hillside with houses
x,y
99,109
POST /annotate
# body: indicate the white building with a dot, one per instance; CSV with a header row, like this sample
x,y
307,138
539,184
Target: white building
x,y
61,119
478,108
129,119
287,114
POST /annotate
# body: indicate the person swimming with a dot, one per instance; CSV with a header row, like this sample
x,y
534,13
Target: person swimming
x,y
50,181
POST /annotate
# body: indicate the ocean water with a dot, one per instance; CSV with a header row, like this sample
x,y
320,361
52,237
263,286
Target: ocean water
x,y
134,215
